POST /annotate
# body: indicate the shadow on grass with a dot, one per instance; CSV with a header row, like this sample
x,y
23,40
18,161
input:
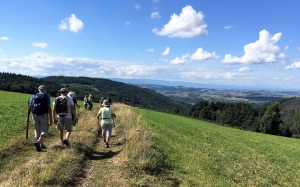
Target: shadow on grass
x,y
103,155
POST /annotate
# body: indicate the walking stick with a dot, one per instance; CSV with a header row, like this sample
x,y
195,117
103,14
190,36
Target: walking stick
x,y
26,141
27,126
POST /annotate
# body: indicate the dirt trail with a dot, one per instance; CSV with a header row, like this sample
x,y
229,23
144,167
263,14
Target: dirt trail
x,y
105,165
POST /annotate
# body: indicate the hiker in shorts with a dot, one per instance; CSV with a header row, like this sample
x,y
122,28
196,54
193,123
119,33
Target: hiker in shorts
x,y
76,105
106,114
41,109
62,112
85,102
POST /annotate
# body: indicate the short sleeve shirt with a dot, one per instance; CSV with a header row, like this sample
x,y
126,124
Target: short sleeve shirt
x,y
106,113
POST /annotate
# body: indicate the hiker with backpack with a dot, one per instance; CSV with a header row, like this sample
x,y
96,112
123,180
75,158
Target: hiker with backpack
x,y
76,105
106,114
63,110
39,105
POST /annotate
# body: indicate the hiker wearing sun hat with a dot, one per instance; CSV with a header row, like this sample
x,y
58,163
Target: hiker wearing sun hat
x,y
39,105
63,110
106,114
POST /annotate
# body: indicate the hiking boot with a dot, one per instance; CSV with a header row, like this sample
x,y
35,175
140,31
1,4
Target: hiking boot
x,y
66,142
38,146
43,146
106,145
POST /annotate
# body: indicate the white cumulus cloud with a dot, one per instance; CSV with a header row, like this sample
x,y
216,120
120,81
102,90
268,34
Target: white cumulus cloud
x,y
187,24
227,27
295,65
167,51
138,7
244,69
155,15
180,60
264,50
3,38
71,23
41,45
201,55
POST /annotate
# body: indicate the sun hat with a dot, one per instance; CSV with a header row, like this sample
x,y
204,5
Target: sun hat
x,y
71,94
63,90
42,87
106,103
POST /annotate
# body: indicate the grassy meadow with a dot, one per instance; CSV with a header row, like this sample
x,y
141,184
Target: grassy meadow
x,y
204,154
148,148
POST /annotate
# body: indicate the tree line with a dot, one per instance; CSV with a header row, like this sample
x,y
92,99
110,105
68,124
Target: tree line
x,y
265,119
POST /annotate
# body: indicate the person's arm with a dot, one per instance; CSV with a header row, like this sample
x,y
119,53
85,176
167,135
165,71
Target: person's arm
x,y
99,114
49,111
73,112
28,110
113,115
54,112
50,115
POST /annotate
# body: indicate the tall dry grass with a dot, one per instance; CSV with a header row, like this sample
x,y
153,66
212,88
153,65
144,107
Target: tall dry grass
x,y
144,161
62,166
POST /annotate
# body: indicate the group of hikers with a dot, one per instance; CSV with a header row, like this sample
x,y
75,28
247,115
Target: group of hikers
x,y
64,116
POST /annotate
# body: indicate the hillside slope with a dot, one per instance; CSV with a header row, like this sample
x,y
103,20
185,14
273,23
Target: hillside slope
x,y
118,92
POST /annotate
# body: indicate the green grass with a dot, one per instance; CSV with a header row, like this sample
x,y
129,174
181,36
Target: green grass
x,y
196,153
12,115
205,154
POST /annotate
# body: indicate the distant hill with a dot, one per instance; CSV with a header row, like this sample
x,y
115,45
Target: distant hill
x,y
202,85
97,87
193,95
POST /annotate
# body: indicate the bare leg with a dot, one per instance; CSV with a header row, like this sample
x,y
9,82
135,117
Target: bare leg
x,y
61,135
68,134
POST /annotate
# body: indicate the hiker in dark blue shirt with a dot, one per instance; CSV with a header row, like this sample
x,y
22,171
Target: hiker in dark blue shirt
x,y
41,109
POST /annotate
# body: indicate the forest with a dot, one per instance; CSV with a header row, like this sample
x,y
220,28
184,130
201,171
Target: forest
x,y
280,117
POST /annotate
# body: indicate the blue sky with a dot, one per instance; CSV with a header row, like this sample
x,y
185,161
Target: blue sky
x,y
232,42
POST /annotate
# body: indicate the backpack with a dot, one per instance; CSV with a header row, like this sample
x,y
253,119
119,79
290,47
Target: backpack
x,y
61,106
39,104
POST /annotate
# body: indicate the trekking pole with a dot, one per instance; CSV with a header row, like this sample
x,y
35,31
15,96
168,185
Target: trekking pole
x,y
27,126
26,140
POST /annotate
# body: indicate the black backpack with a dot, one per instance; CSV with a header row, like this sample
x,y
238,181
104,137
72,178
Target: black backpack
x,y
61,106
39,104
